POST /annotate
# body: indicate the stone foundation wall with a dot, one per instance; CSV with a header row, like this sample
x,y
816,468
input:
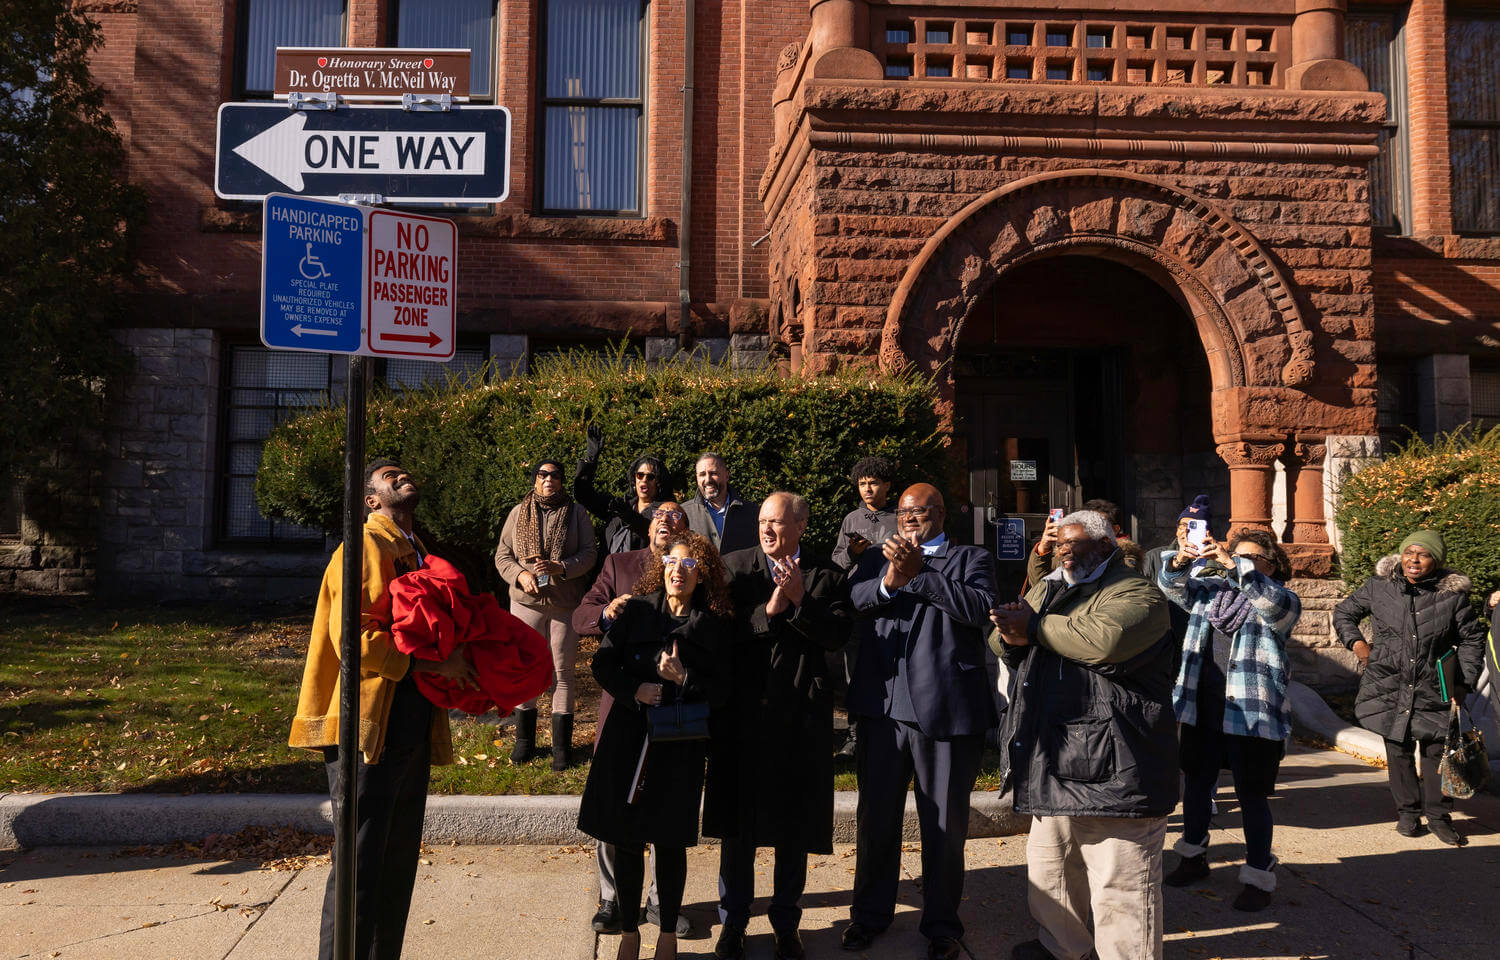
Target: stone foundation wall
x,y
1317,658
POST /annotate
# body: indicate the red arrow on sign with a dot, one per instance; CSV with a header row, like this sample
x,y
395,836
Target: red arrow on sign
x,y
431,339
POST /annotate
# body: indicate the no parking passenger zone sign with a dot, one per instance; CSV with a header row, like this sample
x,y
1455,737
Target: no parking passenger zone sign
x,y
353,279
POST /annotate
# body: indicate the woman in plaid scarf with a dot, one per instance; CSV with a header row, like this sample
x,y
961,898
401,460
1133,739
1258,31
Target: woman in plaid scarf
x,y
1231,694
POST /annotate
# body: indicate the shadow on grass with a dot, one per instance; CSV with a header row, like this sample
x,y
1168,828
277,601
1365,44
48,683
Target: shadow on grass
x,y
46,714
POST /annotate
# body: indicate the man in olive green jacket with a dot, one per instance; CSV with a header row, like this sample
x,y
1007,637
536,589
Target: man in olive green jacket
x,y
1091,744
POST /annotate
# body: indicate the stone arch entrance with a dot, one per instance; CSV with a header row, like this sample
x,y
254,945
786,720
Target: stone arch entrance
x,y
1250,325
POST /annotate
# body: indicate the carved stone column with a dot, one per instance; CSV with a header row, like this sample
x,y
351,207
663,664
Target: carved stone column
x,y
1308,523
840,36
787,72
1251,475
1318,49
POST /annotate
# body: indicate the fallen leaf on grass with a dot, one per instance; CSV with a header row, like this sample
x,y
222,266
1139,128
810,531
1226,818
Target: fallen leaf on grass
x,y
1208,895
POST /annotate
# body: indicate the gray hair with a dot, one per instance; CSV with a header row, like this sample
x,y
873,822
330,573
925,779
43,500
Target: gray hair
x,y
711,455
1094,523
800,508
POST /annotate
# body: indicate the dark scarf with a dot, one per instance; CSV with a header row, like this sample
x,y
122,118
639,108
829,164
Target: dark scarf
x,y
542,527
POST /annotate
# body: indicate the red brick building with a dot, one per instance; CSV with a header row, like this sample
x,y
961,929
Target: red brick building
x,y
1147,249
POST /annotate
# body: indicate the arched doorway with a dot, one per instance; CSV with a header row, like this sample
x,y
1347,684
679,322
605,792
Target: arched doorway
x,y
1079,377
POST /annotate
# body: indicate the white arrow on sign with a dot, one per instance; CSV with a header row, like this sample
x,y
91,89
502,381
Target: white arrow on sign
x,y
299,330
288,151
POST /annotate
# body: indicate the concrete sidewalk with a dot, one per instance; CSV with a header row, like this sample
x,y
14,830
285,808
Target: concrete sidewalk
x,y
1350,888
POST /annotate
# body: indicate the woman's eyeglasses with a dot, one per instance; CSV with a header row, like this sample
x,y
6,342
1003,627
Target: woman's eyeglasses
x,y
644,475
548,474
688,563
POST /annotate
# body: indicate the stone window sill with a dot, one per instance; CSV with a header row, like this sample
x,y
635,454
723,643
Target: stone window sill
x,y
1444,246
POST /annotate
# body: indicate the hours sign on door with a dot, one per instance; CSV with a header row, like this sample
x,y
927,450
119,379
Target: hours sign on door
x,y
411,287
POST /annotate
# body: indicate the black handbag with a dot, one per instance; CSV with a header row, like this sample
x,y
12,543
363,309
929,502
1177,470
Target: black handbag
x,y
1465,766
677,722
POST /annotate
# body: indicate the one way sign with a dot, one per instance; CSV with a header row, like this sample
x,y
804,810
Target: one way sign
x,y
460,155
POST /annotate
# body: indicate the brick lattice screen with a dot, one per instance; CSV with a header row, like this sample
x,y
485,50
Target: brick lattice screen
x,y
1103,50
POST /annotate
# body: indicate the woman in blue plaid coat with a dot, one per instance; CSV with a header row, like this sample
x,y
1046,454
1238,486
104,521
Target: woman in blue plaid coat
x,y
1231,694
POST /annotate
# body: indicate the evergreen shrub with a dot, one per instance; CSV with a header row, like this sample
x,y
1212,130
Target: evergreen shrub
x,y
1451,485
471,446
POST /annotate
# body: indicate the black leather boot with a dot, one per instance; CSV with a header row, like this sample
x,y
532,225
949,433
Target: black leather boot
x,y
525,735
562,741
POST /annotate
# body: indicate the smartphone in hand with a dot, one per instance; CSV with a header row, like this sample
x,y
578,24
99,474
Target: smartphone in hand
x,y
1055,514
1197,533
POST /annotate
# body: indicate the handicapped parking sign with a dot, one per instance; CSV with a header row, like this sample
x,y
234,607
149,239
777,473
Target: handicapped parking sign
x,y
312,275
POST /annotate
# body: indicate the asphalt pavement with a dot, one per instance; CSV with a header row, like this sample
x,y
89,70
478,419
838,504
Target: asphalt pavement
x,y
1350,887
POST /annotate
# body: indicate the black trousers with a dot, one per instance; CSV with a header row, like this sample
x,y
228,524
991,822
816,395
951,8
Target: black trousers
x,y
630,875
1413,797
887,755
392,798
737,885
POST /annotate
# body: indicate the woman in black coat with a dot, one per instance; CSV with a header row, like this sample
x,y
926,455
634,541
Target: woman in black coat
x,y
1418,611
668,644
629,516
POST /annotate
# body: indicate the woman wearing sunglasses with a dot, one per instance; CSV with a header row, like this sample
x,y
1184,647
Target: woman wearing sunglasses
x,y
646,485
545,552
1231,694
668,644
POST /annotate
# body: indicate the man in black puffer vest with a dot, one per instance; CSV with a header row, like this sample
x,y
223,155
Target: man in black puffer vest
x,y
1091,742
1418,611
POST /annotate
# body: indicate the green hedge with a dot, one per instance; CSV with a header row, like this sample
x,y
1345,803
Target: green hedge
x,y
470,446
1451,485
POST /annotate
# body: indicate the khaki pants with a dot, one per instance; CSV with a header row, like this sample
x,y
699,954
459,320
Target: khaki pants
x,y
1110,866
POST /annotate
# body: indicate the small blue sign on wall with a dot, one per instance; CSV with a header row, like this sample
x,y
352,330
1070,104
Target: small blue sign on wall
x,y
312,275
1010,538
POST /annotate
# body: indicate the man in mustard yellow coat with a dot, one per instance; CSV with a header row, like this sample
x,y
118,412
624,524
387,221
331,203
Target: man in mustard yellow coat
x,y
400,733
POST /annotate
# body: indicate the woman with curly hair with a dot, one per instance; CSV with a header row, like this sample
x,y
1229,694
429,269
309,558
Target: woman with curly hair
x,y
668,643
1231,694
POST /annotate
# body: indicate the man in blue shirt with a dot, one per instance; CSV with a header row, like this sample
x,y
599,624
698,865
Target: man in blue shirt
x,y
718,512
924,703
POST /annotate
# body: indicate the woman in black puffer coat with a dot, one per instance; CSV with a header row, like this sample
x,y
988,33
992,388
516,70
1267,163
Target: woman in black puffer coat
x,y
1418,611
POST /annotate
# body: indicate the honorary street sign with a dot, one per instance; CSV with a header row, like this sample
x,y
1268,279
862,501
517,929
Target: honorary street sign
x,y
312,275
453,156
371,73
412,284
345,278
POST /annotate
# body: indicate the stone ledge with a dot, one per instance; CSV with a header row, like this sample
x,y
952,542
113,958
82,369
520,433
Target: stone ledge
x,y
1437,246
646,230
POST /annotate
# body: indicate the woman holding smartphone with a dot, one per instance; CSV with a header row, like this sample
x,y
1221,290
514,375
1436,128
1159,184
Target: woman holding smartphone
x,y
667,644
546,549
1231,693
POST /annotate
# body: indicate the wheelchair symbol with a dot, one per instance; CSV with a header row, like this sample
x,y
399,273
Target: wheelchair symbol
x,y
311,267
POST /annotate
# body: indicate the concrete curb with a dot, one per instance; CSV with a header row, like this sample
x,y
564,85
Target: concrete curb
x,y
1311,714
115,819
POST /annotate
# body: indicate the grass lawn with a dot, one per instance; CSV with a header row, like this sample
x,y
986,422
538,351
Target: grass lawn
x,y
199,700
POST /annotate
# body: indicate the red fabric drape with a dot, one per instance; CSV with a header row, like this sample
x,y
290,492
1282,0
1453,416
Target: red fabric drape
x,y
433,612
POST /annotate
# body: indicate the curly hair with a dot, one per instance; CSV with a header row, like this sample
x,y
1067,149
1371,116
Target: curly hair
x,y
712,592
878,467
1267,542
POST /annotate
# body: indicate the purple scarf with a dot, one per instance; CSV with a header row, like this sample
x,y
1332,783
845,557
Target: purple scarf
x,y
1228,611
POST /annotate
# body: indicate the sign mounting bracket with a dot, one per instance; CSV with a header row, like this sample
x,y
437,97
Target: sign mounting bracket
x,y
417,102
312,101
367,199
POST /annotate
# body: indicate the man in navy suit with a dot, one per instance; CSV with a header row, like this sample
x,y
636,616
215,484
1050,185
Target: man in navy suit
x,y
921,691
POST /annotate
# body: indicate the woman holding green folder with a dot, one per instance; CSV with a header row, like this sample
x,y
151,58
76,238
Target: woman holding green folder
x,y
1421,620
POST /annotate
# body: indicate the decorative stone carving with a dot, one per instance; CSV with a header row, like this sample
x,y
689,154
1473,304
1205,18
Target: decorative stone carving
x,y
790,54
1213,259
1244,453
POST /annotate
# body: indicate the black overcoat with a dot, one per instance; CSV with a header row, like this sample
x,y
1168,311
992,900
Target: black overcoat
x,y
771,771
1412,624
667,810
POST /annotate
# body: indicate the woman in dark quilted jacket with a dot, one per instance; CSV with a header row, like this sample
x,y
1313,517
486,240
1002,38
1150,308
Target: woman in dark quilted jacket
x,y
1418,611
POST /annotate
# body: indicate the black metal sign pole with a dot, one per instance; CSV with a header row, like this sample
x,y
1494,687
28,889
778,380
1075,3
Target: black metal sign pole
x,y
350,618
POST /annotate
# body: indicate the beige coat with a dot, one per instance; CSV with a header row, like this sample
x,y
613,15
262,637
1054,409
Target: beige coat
x,y
566,591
